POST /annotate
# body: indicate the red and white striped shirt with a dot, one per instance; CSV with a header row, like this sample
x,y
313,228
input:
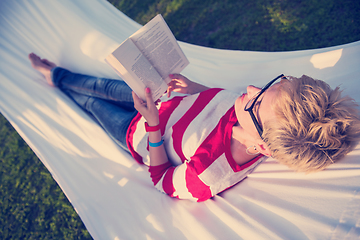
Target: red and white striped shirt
x,y
197,137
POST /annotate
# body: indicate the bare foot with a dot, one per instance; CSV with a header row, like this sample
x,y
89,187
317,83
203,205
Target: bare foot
x,y
42,65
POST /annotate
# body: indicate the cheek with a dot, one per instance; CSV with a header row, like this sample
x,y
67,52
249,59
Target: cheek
x,y
245,121
244,118
248,124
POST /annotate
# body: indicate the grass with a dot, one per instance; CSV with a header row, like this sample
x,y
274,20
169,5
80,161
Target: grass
x,y
34,207
260,25
32,204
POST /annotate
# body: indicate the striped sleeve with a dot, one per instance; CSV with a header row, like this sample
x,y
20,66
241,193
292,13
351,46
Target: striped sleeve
x,y
180,182
184,181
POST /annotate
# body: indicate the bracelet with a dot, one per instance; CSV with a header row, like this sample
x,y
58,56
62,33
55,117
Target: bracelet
x,y
151,128
158,144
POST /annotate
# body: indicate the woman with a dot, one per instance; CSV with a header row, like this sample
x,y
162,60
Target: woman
x,y
201,144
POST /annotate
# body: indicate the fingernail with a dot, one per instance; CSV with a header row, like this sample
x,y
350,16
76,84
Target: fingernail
x,y
147,90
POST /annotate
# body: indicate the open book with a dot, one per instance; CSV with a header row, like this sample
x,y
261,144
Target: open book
x,y
147,58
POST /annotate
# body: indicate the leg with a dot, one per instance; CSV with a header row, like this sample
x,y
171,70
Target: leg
x,y
112,90
114,119
114,113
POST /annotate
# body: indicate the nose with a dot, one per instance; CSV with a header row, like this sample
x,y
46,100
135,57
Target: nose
x,y
252,90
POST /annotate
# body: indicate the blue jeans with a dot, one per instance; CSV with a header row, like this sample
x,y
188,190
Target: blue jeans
x,y
109,101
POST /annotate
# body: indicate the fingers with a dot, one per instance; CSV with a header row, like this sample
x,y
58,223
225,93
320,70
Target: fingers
x,y
138,103
170,89
179,84
147,109
148,96
176,76
175,86
135,97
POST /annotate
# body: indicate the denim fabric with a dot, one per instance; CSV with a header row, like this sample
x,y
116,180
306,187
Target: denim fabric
x,y
109,101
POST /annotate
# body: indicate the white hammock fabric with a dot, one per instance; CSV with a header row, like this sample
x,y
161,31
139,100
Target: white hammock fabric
x,y
114,195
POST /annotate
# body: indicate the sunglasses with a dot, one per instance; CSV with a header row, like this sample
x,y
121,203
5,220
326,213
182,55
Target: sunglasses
x,y
251,103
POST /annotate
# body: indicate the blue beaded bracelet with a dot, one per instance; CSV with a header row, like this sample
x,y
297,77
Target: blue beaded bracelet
x,y
158,144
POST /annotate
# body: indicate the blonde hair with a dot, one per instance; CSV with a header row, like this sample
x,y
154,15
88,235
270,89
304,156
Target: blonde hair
x,y
314,125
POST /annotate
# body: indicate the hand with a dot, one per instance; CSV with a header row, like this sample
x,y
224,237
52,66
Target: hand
x,y
147,109
179,84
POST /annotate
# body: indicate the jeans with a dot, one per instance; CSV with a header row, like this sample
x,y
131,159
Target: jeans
x,y
109,101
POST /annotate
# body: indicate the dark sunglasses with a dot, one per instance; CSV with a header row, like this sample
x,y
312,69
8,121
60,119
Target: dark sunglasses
x,y
251,103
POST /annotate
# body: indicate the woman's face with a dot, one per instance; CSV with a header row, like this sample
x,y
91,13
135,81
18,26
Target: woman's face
x,y
262,109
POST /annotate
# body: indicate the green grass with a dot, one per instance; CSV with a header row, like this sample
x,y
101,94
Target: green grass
x,y
33,206
260,25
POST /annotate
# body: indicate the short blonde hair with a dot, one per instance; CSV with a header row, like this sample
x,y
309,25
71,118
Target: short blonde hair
x,y
314,125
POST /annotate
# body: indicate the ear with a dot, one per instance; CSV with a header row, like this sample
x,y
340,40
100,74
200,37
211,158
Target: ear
x,y
263,148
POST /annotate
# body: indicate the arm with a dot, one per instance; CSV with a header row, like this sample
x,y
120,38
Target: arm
x,y
149,111
180,181
182,84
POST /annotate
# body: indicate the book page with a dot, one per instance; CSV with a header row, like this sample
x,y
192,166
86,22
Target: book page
x,y
156,41
136,70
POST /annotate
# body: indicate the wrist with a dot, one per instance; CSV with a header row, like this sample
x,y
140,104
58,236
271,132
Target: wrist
x,y
156,144
149,127
191,88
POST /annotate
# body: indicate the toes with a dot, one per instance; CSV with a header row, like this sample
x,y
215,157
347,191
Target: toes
x,y
33,57
39,63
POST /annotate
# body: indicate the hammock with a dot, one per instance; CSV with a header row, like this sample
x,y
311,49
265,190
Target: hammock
x,y
114,195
